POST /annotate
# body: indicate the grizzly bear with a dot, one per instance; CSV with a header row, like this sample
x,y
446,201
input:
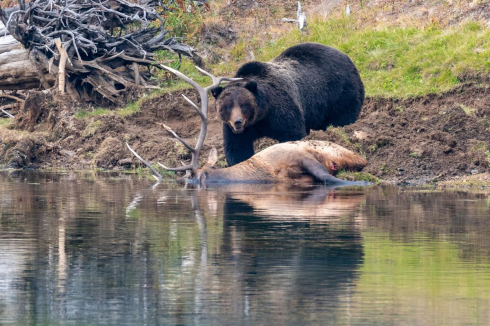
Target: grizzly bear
x,y
308,86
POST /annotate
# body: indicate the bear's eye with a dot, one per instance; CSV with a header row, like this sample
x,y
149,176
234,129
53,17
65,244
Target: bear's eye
x,y
222,108
246,107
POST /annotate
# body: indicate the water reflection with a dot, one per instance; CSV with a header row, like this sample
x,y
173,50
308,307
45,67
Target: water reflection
x,y
112,249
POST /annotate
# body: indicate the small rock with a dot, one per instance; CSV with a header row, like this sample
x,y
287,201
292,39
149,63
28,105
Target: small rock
x,y
447,150
474,171
361,135
126,161
67,152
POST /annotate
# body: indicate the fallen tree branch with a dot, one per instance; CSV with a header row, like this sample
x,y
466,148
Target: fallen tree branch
x,y
12,97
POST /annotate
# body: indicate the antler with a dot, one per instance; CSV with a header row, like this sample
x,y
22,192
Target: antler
x,y
202,112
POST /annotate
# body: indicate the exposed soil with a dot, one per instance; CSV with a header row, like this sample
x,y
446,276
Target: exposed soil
x,y
426,139
99,141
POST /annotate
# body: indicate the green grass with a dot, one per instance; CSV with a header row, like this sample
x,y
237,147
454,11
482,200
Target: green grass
x,y
92,128
5,121
468,111
400,62
142,170
82,114
180,23
127,110
473,182
393,61
358,176
481,146
414,154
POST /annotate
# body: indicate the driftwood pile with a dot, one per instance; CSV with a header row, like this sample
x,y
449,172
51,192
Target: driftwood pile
x,y
95,49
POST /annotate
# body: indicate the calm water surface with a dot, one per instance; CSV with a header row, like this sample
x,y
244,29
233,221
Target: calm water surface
x,y
88,249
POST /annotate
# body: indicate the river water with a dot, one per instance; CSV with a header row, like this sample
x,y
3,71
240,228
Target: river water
x,y
110,249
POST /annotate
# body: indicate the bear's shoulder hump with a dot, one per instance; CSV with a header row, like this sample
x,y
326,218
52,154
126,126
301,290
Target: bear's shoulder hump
x,y
254,68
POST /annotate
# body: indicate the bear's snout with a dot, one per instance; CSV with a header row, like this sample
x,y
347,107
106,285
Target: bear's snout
x,y
238,123
237,120
237,129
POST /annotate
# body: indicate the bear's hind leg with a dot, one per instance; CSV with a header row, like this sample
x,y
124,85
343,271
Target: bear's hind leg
x,y
348,109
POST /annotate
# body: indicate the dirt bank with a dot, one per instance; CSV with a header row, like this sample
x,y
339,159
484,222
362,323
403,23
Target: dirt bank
x,y
426,139
419,140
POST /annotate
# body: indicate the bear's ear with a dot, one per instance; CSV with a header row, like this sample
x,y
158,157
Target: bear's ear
x,y
216,91
251,86
213,157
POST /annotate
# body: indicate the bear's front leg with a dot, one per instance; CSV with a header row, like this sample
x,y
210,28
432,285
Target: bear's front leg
x,y
238,147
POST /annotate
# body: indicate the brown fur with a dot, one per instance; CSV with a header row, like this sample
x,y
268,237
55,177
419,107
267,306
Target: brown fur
x,y
285,162
243,106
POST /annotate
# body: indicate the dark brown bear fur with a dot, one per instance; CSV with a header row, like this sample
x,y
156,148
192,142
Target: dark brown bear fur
x,y
308,86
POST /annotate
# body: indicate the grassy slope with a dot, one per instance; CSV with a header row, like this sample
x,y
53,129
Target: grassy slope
x,y
400,62
393,61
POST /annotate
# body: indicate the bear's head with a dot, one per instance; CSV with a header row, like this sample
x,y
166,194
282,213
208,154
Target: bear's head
x,y
237,104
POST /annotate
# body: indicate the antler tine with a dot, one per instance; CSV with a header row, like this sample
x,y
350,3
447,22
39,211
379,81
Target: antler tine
x,y
180,168
183,77
178,137
216,80
157,175
219,80
194,106
205,72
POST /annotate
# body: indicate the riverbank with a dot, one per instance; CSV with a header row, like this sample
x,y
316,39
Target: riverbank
x,y
426,118
419,140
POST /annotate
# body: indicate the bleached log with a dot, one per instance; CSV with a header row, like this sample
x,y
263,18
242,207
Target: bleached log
x,y
62,65
16,70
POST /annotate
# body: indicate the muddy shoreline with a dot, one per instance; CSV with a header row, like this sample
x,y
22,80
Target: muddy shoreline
x,y
421,140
